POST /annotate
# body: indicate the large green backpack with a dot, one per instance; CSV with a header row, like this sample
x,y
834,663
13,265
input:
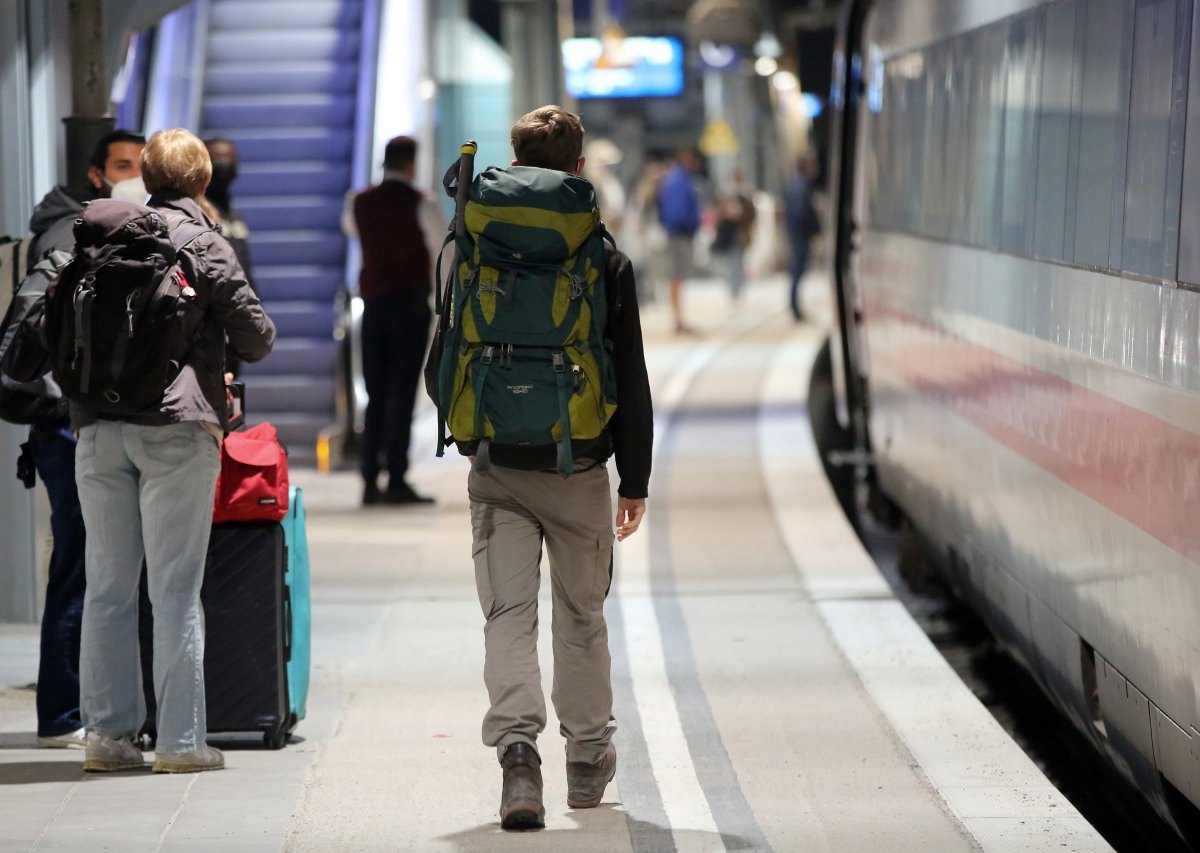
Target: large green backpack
x,y
524,360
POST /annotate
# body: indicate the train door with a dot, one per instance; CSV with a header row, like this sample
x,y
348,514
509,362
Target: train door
x,y
847,352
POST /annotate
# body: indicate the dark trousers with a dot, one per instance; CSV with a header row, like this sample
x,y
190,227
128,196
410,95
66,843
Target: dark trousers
x,y
395,333
800,249
58,670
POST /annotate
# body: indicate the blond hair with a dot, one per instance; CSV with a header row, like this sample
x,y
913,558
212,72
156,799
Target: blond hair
x,y
176,160
550,138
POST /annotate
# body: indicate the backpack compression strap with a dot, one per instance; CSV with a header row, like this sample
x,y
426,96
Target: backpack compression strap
x,y
83,296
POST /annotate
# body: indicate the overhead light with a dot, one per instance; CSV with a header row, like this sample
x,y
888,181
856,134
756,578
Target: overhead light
x,y
785,81
717,55
765,66
426,89
768,46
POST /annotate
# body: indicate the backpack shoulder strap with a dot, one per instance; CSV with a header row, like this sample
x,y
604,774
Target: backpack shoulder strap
x,y
186,234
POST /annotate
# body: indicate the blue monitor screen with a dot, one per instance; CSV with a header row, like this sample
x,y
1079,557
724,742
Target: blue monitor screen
x,y
633,67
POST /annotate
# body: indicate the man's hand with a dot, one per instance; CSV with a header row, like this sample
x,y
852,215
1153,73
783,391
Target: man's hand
x,y
630,512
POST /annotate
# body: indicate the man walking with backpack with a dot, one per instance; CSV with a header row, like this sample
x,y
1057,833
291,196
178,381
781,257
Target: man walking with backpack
x,y
542,378
115,165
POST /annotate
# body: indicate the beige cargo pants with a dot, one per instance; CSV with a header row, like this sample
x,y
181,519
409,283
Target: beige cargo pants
x,y
512,513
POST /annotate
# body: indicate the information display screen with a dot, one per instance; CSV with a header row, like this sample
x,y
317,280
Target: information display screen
x,y
634,67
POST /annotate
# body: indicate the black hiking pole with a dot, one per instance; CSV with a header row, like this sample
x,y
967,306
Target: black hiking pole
x,y
466,171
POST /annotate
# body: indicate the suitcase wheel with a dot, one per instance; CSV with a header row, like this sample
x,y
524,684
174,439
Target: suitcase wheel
x,y
276,738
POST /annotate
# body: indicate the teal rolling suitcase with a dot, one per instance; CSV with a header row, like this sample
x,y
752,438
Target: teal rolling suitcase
x,y
296,594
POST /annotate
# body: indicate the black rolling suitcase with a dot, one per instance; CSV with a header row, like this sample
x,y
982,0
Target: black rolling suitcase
x,y
247,633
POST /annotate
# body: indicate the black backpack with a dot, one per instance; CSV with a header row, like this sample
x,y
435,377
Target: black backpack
x,y
122,317
28,394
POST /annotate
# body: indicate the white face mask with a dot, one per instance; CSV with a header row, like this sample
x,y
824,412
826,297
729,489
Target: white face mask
x,y
130,189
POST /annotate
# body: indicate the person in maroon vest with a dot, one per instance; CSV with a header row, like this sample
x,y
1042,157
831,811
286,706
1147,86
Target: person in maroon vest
x,y
399,229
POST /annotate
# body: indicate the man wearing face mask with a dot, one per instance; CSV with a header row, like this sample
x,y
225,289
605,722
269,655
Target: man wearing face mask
x,y
224,156
115,171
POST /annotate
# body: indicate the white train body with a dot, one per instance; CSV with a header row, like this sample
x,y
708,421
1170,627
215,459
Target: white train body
x,y
1025,268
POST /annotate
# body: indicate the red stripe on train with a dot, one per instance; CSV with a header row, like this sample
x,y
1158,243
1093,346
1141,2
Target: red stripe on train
x,y
1138,466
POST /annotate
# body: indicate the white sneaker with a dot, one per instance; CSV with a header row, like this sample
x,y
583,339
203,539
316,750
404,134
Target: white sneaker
x,y
68,740
203,758
105,754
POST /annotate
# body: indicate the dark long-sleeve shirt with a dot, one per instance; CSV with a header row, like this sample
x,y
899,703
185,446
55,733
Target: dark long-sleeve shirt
x,y
630,434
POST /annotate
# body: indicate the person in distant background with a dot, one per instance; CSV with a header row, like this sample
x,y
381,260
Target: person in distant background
x,y
735,223
601,155
679,212
642,236
224,155
400,229
802,225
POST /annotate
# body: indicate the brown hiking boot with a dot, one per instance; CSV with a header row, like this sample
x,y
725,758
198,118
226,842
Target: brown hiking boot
x,y
586,782
521,802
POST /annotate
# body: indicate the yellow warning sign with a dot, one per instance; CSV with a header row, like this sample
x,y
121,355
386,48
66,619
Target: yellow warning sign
x,y
718,138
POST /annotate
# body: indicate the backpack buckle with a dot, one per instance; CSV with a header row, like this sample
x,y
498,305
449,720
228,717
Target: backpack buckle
x,y
560,363
506,355
489,353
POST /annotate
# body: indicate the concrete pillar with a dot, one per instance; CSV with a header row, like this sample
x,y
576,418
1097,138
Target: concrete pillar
x,y
89,120
18,575
529,29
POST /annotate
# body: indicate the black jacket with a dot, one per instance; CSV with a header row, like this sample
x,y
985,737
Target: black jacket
x,y
52,227
630,433
53,221
231,309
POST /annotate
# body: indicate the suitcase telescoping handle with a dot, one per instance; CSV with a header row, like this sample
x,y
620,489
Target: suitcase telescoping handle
x,y
287,623
466,171
236,396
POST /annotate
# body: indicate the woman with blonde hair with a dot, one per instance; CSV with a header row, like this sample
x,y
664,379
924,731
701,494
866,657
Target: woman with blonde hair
x,y
146,482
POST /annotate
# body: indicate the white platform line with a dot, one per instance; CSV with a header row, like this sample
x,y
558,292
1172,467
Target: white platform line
x,y
956,742
684,803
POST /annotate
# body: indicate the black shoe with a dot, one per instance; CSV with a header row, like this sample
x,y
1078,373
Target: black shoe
x,y
404,494
372,495
586,782
521,801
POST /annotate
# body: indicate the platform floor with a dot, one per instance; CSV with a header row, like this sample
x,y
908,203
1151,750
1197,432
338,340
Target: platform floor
x,y
770,692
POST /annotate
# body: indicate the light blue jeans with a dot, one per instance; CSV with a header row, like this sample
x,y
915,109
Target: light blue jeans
x,y
145,491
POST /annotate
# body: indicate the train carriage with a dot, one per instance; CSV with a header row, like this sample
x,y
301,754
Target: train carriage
x,y
1017,252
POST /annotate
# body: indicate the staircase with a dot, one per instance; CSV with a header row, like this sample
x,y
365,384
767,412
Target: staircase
x,y
281,81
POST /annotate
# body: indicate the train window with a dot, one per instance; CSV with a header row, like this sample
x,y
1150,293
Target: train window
x,y
958,136
907,143
1189,226
900,124
1154,160
987,116
935,220
1018,152
1054,131
1100,130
